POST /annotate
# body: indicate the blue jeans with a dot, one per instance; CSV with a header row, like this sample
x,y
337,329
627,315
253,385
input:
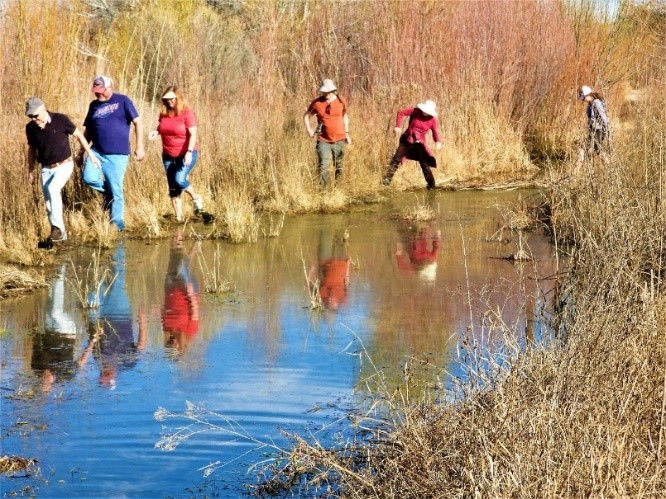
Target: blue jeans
x,y
177,173
109,181
326,152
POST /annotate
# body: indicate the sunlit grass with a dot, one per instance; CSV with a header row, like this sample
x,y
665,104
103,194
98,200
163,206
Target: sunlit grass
x,y
90,287
213,278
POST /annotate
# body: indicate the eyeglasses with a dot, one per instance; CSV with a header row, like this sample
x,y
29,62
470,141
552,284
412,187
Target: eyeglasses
x,y
33,116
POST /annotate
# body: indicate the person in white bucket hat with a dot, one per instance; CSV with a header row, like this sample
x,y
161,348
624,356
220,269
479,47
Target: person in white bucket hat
x,y
332,129
412,143
598,125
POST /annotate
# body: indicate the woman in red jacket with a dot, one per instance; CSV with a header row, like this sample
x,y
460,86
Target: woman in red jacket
x,y
412,144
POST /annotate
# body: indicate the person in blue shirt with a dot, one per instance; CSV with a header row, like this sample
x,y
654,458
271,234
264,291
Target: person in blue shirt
x,y
107,125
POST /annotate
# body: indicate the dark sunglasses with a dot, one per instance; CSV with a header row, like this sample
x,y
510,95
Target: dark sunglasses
x,y
33,116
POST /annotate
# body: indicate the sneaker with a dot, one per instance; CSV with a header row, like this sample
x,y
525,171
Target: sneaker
x,y
386,181
57,235
198,203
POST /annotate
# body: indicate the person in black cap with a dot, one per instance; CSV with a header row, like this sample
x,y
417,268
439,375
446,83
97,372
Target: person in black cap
x,y
48,144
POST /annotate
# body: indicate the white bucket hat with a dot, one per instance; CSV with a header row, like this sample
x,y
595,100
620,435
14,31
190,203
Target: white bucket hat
x,y
428,107
327,86
584,92
429,272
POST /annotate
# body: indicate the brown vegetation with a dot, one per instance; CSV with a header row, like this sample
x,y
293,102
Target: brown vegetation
x,y
504,80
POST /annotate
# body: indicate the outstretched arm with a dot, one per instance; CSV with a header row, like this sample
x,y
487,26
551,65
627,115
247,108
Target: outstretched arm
x,y
86,146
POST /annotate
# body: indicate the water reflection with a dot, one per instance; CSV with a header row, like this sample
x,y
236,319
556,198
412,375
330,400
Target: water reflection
x,y
52,357
418,249
333,268
180,312
112,328
407,292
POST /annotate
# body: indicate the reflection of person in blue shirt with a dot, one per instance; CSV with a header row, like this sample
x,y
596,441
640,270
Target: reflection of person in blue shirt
x,y
53,348
112,325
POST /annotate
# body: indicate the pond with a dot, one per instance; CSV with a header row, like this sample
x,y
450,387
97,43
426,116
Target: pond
x,y
163,390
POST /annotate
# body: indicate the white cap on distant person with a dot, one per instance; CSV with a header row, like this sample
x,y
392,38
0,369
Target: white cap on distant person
x,y
327,86
101,83
428,107
584,92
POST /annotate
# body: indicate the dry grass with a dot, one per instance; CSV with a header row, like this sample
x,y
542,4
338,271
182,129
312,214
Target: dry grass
x,y
213,277
420,212
14,281
90,287
12,464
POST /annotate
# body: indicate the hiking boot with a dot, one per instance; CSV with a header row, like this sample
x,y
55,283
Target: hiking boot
x,y
198,203
386,181
57,235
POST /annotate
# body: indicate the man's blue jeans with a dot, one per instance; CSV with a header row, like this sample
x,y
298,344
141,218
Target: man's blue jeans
x,y
326,152
109,181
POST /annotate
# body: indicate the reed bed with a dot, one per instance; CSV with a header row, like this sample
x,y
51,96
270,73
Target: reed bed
x,y
505,87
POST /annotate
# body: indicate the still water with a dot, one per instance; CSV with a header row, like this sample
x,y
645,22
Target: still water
x,y
81,388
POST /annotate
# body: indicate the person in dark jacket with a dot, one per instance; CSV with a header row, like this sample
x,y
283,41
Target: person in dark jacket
x,y
598,135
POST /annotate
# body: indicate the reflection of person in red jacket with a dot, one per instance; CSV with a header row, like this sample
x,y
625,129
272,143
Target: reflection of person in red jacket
x,y
418,252
180,315
333,270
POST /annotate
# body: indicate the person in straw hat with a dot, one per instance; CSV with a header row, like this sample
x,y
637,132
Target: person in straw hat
x,y
332,129
412,143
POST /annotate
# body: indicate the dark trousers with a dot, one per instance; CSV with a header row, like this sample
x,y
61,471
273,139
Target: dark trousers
x,y
415,150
